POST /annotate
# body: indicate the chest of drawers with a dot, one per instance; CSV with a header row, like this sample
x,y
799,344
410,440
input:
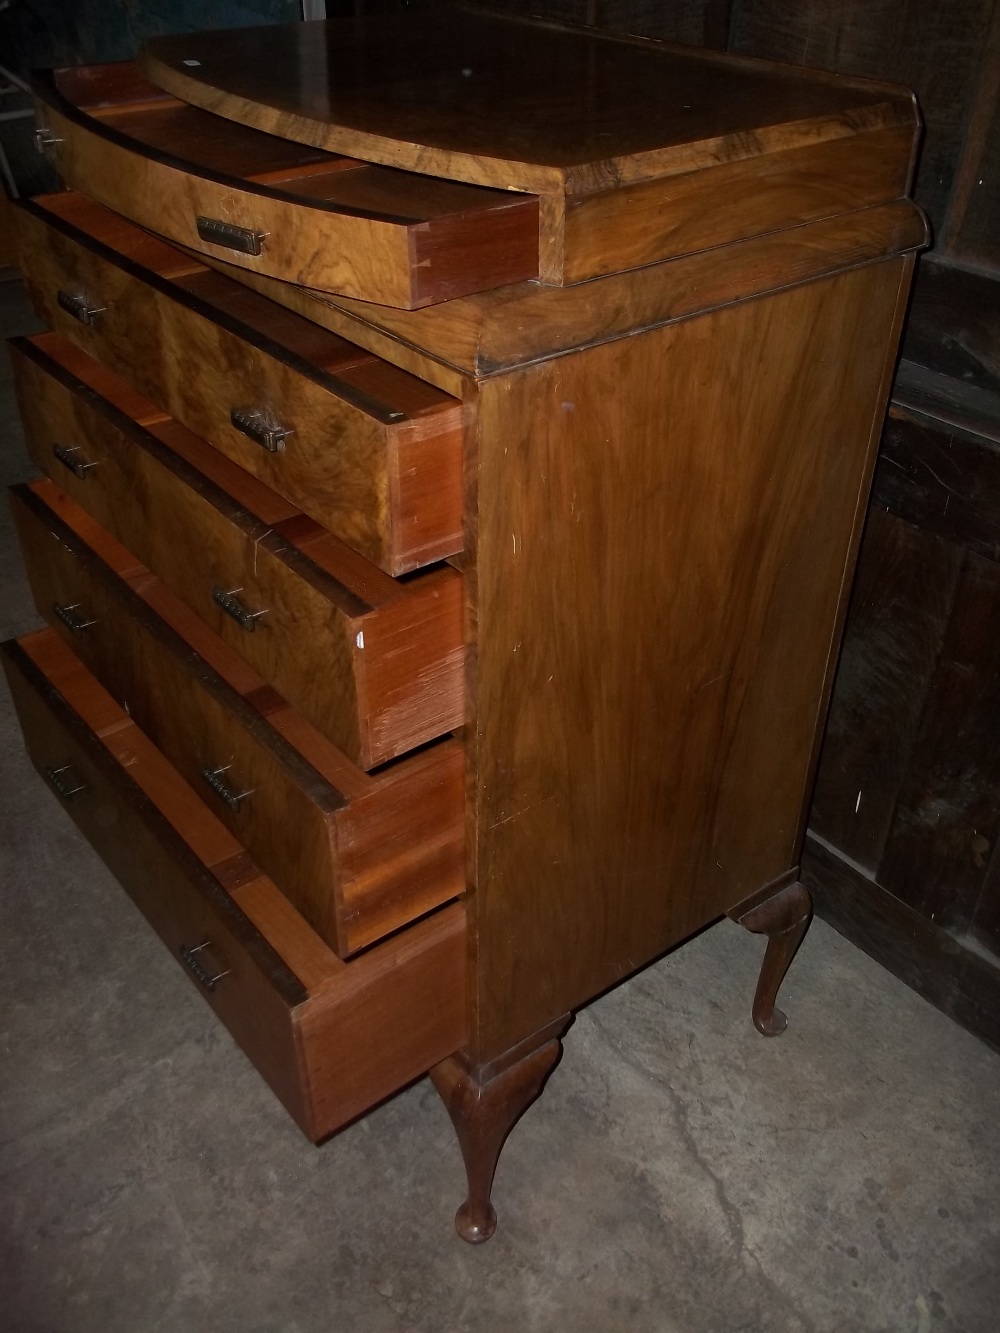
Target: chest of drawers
x,y
456,436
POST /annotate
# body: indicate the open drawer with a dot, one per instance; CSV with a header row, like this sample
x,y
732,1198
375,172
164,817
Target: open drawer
x,y
375,663
331,1038
370,452
276,207
359,855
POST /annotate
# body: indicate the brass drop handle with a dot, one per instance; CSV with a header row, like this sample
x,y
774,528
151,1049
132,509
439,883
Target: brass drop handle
x,y
77,305
44,138
71,458
206,976
62,781
259,428
230,796
230,237
71,617
231,604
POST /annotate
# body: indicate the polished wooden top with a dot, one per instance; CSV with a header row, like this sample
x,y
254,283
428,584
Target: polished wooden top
x,y
502,101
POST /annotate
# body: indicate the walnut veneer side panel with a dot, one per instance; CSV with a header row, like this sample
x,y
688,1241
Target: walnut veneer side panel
x,y
666,524
624,228
495,331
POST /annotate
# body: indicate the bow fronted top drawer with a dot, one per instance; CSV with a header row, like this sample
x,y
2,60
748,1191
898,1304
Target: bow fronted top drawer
x,y
276,207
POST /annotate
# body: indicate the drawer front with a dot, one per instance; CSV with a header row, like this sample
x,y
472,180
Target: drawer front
x,y
353,881
330,1038
102,783
324,221
375,665
371,454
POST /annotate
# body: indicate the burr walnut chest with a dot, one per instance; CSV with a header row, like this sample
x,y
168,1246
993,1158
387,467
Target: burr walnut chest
x,y
455,435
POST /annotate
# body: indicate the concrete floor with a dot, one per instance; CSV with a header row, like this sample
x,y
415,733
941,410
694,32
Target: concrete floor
x,y
680,1174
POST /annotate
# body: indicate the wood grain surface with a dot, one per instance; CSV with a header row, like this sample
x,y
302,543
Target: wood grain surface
x,y
678,215
943,478
331,1038
946,820
375,664
954,974
932,48
484,335
581,110
970,231
363,230
907,787
902,599
172,338
354,874
661,571
399,1009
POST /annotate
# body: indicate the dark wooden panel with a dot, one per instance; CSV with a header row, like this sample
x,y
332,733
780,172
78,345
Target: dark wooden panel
x,y
900,607
971,233
954,324
52,32
947,400
948,814
556,11
959,980
945,481
985,928
695,21
931,47
979,242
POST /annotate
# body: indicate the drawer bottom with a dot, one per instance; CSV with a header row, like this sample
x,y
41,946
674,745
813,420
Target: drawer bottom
x,y
331,1038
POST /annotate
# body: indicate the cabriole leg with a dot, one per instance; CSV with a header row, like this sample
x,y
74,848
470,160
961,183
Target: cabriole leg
x,y
484,1106
783,918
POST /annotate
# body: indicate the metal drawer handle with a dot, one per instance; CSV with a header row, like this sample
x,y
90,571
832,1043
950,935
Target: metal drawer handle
x,y
234,799
268,434
44,138
72,621
205,975
63,785
78,466
79,307
229,236
231,604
